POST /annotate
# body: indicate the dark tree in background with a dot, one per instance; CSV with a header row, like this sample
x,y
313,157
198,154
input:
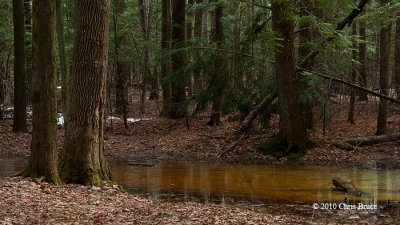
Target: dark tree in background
x,y
82,158
166,62
363,96
397,56
19,67
353,77
43,159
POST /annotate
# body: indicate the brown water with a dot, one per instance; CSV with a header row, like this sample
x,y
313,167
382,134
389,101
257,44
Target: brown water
x,y
224,182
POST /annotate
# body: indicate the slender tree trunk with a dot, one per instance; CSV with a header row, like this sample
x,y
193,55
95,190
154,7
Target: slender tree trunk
x,y
178,82
19,67
397,56
82,158
43,159
219,80
166,59
350,117
189,35
292,122
63,61
198,25
363,60
384,50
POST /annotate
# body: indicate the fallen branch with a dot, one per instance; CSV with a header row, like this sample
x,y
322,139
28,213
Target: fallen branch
x,y
253,114
362,141
232,147
346,187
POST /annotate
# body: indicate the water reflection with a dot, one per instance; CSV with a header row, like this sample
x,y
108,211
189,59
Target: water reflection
x,y
293,183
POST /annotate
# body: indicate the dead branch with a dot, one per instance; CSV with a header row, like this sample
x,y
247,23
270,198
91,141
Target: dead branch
x,y
346,187
362,141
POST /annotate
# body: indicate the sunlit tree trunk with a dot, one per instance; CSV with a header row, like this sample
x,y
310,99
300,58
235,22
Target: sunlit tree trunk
x,y
19,67
384,52
43,159
353,78
178,81
63,60
82,158
292,124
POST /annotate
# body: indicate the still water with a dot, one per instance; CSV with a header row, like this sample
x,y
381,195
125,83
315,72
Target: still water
x,y
219,182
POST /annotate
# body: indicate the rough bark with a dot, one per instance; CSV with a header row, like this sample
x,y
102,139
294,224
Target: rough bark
x,y
362,141
293,131
362,70
219,78
43,159
19,67
384,52
63,60
397,56
178,80
82,158
353,77
198,25
28,50
189,35
166,62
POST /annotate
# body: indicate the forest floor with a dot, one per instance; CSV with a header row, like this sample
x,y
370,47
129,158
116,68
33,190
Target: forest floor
x,y
154,139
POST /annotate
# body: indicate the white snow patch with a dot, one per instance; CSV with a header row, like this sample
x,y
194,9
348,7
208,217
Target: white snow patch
x,y
59,87
60,119
133,120
113,118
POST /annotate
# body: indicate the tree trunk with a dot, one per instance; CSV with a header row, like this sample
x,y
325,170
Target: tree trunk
x,y
384,52
178,81
397,56
353,78
63,61
218,80
28,50
346,187
189,35
362,141
43,159
19,67
292,122
82,158
166,59
198,25
363,60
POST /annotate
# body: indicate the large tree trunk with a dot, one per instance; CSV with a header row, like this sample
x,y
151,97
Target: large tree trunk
x,y
384,52
166,59
219,78
363,60
198,25
43,159
292,122
63,60
82,158
19,67
353,78
397,56
178,81
28,50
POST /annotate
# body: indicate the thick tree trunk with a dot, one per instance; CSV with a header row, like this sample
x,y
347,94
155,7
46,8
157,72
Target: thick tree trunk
x,y
28,50
82,158
19,67
397,56
166,59
63,61
292,122
353,78
198,25
178,81
43,159
384,52
219,78
363,60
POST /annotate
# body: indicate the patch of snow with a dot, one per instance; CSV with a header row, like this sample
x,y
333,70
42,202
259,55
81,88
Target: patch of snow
x,y
113,118
59,87
133,120
30,113
60,120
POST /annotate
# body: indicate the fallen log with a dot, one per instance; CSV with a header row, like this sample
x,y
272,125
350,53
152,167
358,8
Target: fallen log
x,y
346,187
253,114
362,141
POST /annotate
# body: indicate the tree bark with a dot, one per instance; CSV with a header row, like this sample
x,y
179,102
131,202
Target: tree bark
x,y
189,35
292,122
82,158
219,78
363,60
346,187
178,81
19,67
362,141
384,52
397,56
353,77
63,60
198,27
28,50
43,159
166,59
